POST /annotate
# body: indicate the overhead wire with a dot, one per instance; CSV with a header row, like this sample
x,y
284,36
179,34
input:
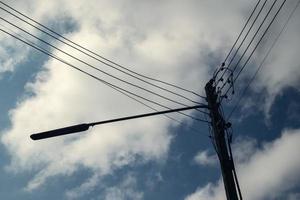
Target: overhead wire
x,y
113,86
237,39
154,109
99,61
263,61
242,30
95,68
78,46
281,6
234,80
249,44
246,35
257,44
131,97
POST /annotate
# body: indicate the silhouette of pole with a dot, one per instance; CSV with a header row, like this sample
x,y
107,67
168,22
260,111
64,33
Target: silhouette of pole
x,y
219,126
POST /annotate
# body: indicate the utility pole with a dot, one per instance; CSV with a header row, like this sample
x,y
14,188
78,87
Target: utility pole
x,y
219,127
219,130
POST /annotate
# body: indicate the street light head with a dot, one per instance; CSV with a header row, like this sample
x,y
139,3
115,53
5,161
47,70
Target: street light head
x,y
60,131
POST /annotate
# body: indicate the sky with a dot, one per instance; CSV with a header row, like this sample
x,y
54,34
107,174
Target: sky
x,y
180,42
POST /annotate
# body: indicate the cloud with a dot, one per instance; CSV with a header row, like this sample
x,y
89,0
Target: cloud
x,y
281,68
10,55
60,96
293,196
205,159
268,172
125,190
84,188
173,41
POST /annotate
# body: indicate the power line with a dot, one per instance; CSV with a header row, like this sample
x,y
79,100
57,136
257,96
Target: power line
x,y
237,64
259,41
129,96
281,6
257,16
242,30
92,76
240,34
99,56
254,36
93,67
263,61
107,64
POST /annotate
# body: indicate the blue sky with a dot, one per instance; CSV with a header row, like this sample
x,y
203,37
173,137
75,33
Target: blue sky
x,y
155,158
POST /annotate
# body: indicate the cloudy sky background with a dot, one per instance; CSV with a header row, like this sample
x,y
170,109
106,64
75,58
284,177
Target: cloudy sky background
x,y
181,42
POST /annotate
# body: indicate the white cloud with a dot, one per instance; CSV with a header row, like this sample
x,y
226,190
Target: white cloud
x,y
10,55
267,173
170,40
62,96
84,188
281,68
293,196
206,159
125,190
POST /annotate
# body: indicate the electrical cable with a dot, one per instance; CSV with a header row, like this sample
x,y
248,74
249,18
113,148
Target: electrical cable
x,y
135,99
92,76
281,6
242,30
257,16
259,41
99,56
245,51
93,67
263,61
240,34
97,60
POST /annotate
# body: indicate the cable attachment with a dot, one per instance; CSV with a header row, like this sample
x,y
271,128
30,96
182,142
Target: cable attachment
x,y
227,69
217,71
232,83
229,81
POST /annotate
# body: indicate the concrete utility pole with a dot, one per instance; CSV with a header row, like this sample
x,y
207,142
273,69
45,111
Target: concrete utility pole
x,y
219,127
